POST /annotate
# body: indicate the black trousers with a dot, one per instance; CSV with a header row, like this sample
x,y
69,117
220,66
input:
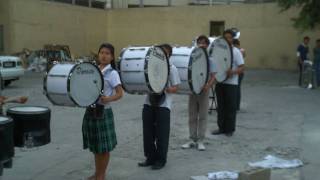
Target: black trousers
x,y
227,107
156,132
300,73
239,91
1,169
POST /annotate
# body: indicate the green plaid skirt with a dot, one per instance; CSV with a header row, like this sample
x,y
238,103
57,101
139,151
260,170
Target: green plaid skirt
x,y
99,134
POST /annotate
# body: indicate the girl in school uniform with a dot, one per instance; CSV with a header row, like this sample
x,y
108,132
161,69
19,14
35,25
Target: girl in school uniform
x,y
98,123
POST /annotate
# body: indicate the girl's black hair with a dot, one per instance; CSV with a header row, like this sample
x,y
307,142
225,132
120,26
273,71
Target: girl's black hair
x,y
111,48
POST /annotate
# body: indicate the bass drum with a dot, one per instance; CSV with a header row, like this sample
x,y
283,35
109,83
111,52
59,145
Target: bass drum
x,y
193,66
222,58
143,70
74,84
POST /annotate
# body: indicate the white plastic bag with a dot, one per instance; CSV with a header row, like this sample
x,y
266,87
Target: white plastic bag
x,y
275,162
223,175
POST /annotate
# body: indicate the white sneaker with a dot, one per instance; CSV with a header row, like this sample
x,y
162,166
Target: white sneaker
x,y
188,145
201,146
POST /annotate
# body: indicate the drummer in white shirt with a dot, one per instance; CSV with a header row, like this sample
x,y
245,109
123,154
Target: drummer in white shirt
x,y
156,120
198,106
227,92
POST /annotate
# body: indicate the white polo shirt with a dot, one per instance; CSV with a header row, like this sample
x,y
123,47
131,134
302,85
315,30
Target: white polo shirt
x,y
111,81
237,61
174,80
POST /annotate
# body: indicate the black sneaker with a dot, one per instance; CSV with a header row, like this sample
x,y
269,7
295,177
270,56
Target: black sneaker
x,y
216,132
158,165
146,163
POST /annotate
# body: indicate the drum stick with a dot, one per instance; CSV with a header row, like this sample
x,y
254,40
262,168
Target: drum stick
x,y
12,99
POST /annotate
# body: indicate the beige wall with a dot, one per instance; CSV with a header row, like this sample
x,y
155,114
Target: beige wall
x,y
5,21
267,36
35,23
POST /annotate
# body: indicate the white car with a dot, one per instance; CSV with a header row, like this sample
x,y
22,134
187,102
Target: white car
x,y
11,69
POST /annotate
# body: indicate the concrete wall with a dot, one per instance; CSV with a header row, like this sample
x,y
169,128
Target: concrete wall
x,y
5,21
266,34
35,23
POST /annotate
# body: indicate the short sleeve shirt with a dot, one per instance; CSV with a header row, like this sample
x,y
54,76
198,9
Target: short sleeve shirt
x,y
302,52
237,61
111,81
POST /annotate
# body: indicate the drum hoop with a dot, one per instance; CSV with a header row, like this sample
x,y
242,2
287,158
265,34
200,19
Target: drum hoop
x,y
231,52
9,120
46,90
120,60
68,83
190,72
146,68
37,112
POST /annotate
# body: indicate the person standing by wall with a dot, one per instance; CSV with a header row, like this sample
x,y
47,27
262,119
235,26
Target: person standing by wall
x,y
316,53
302,54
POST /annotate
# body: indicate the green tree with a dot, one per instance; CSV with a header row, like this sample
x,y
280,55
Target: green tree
x,y
309,15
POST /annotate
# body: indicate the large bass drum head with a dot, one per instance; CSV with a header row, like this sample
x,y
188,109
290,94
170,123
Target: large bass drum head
x,y
85,84
4,120
222,57
28,110
199,69
157,69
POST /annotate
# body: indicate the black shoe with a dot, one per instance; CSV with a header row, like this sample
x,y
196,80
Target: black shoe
x,y
146,163
229,134
216,132
8,164
158,165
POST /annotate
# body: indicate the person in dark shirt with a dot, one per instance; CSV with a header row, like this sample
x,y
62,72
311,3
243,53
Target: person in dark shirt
x,y
316,62
302,54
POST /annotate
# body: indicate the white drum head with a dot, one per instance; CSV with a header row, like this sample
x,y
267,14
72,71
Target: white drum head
x,y
3,119
222,57
29,109
157,69
86,84
199,69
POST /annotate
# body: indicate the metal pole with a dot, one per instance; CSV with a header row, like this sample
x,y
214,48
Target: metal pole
x,y
90,3
141,4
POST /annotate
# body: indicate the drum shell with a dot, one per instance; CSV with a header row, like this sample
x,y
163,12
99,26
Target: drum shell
x,y
7,141
37,124
128,74
133,67
58,95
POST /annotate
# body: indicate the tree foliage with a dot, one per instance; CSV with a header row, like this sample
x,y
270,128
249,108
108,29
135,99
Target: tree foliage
x,y
309,15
